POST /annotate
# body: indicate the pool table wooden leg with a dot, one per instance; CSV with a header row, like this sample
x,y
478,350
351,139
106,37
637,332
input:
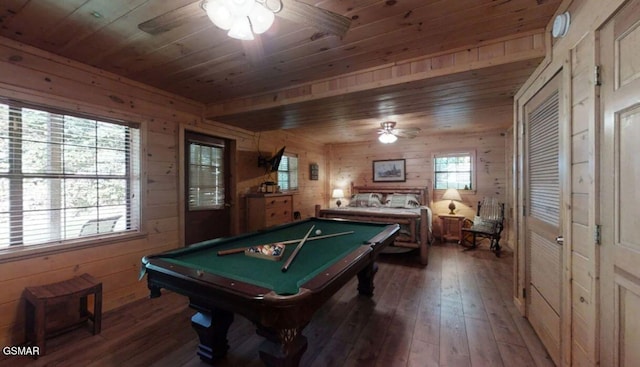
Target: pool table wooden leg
x,y
212,326
282,347
365,279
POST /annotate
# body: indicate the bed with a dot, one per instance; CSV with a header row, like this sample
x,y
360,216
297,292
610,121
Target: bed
x,y
405,206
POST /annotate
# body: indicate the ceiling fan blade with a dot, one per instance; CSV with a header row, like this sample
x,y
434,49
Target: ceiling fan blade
x,y
173,19
405,134
318,18
406,130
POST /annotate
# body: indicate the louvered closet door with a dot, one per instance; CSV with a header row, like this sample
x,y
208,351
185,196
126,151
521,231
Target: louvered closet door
x,y
542,215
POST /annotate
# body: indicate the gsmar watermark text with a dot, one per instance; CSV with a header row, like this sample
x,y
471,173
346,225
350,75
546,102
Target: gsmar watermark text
x,y
21,351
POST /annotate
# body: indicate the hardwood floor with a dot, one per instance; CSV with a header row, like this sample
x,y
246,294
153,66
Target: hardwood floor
x,y
457,311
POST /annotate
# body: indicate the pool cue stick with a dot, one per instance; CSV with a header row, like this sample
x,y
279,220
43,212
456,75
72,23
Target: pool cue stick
x,y
288,242
286,265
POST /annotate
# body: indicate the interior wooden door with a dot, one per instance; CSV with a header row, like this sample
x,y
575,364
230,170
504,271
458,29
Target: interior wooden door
x,y
542,215
207,188
620,189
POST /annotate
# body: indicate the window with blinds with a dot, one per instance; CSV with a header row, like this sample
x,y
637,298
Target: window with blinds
x,y
206,175
63,177
288,172
453,171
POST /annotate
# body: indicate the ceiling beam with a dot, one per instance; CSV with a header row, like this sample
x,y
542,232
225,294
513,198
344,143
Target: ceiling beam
x,y
516,49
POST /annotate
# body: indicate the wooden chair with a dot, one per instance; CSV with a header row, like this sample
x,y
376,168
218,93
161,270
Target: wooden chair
x,y
488,223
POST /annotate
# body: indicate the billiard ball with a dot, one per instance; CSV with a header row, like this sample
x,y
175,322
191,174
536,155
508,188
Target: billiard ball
x,y
318,232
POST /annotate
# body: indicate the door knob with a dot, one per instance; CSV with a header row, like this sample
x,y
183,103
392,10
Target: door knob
x,y
560,240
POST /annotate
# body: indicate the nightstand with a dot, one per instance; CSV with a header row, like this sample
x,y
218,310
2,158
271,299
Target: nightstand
x,y
451,227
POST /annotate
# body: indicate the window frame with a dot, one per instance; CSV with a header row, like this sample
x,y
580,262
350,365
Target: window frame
x,y
290,173
454,153
133,176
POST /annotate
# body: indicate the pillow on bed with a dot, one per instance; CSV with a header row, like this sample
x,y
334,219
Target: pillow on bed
x,y
366,199
403,201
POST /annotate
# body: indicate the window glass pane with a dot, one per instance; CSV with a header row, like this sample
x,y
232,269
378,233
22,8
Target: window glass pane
x,y
111,135
35,157
35,125
206,176
80,193
112,192
42,194
75,219
4,212
288,173
194,154
453,171
293,173
78,131
112,162
80,160
40,227
52,203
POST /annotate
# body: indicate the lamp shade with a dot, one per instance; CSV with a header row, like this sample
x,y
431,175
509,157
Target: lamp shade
x,y
337,194
451,194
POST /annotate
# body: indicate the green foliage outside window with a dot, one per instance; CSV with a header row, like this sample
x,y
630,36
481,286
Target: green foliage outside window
x,y
453,171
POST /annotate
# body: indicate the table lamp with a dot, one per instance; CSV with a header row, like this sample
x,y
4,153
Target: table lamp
x,y
452,194
337,194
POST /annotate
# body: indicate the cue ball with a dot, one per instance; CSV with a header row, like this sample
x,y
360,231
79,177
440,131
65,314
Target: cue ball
x,y
318,231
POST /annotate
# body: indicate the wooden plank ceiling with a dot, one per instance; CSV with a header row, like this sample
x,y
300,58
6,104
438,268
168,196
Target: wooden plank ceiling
x,y
190,57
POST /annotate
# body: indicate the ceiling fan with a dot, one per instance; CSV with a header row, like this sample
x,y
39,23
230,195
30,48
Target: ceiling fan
x,y
296,11
389,134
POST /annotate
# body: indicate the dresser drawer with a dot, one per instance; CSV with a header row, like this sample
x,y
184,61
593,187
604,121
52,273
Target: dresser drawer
x,y
268,210
278,215
277,203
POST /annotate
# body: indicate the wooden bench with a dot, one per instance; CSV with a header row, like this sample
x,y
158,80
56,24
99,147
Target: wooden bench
x,y
488,223
47,308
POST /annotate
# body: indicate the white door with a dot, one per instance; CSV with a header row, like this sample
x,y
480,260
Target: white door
x,y
620,189
543,222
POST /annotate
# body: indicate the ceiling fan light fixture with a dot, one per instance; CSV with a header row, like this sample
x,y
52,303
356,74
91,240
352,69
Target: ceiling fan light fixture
x,y
261,18
240,8
387,138
219,13
242,18
241,29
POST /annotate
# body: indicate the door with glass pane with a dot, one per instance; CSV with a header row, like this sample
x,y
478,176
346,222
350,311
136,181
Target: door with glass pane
x,y
207,183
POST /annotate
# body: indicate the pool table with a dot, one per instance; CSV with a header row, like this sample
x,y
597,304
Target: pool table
x,y
280,303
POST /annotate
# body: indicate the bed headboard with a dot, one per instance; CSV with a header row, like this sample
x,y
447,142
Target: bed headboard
x,y
421,193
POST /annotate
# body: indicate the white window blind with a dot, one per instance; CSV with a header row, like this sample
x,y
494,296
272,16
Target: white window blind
x,y
64,176
206,176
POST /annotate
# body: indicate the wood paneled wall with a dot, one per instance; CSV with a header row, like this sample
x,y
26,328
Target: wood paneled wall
x,y
35,76
353,163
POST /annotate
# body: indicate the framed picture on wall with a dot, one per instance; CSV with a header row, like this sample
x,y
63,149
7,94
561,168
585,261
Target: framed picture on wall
x,y
392,170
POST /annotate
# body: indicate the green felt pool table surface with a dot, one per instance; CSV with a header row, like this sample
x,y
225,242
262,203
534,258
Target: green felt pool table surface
x,y
279,303
314,257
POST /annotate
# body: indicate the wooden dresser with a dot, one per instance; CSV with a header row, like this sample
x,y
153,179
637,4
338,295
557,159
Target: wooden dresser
x,y
266,210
